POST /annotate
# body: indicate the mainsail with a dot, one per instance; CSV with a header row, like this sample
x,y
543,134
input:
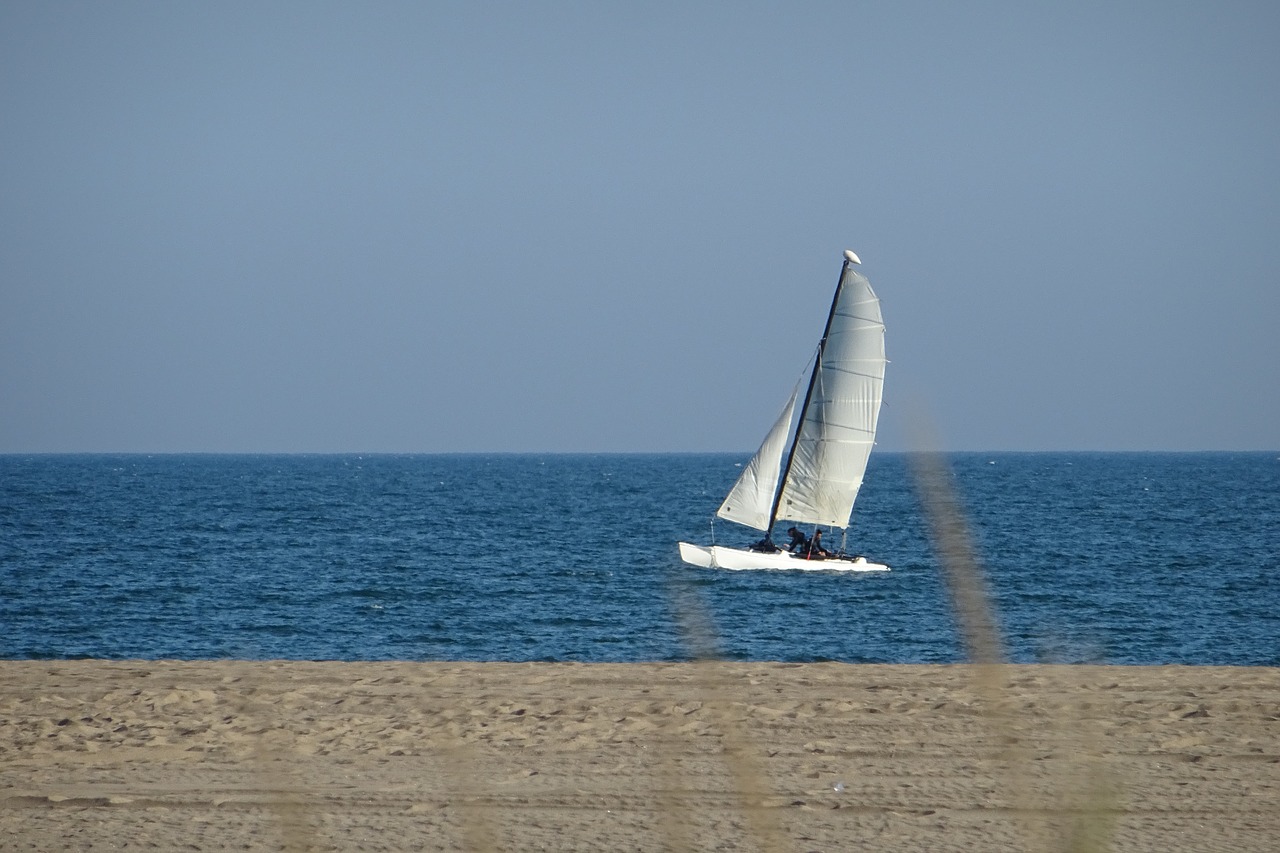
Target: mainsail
x,y
837,425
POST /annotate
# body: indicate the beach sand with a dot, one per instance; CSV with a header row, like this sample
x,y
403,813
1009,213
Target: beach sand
x,y
222,755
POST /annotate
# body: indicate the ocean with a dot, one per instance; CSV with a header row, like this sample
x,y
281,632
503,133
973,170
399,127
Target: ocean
x,y
1125,558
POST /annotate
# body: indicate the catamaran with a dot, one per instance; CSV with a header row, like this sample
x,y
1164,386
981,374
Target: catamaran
x,y
826,450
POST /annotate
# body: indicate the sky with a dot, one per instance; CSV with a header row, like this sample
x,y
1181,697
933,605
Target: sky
x,y
616,226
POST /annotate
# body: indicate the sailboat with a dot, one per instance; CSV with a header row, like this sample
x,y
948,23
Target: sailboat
x,y
810,473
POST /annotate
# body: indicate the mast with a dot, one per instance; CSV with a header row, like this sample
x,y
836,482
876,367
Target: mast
x,y
849,258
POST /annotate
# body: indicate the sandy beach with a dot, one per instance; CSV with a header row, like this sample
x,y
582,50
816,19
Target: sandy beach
x,y
221,755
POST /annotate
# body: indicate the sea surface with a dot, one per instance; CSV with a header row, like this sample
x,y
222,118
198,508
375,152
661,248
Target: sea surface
x,y
1128,558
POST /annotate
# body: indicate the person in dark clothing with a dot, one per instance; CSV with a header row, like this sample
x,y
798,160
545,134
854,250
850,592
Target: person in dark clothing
x,y
764,546
798,542
815,550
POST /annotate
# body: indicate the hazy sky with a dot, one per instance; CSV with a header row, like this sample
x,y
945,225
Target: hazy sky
x,y
430,226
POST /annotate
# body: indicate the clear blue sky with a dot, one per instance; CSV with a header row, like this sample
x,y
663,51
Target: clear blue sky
x,y
278,226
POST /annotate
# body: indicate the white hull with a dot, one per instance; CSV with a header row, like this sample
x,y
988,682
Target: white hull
x,y
737,559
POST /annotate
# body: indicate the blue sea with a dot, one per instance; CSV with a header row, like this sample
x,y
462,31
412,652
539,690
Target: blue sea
x,y
1128,558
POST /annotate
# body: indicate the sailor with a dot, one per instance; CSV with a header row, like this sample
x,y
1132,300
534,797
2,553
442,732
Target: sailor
x,y
815,550
798,541
764,546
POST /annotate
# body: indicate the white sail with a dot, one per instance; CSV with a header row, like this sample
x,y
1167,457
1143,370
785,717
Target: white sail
x,y
750,501
838,426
